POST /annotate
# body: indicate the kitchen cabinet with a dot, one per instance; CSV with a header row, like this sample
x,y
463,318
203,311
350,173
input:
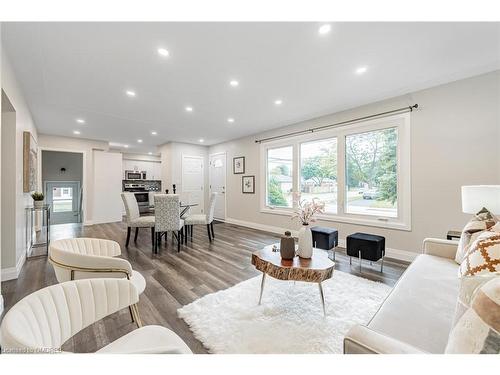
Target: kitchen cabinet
x,y
152,168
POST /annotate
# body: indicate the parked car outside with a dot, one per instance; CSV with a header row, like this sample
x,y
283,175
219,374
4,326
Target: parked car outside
x,y
371,194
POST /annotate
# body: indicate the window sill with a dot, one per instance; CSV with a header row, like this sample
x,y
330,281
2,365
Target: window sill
x,y
370,222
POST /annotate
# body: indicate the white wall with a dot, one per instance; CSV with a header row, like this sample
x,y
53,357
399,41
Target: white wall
x,y
24,122
171,164
454,141
85,146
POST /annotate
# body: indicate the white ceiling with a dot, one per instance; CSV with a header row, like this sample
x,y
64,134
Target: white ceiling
x,y
81,70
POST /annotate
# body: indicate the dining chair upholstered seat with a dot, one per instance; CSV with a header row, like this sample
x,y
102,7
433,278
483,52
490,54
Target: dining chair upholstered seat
x,y
44,320
167,217
201,219
134,219
89,258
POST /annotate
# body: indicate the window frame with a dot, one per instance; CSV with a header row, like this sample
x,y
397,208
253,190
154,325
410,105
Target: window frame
x,y
400,121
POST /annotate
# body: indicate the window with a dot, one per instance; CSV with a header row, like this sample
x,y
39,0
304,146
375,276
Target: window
x,y
279,177
318,172
361,171
371,173
62,199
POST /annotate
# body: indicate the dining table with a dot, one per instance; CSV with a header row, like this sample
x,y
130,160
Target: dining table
x,y
184,208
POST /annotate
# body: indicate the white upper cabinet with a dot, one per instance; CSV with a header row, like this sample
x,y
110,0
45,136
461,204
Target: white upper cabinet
x,y
152,168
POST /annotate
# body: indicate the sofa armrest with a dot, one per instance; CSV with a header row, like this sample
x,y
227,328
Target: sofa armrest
x,y
441,248
363,340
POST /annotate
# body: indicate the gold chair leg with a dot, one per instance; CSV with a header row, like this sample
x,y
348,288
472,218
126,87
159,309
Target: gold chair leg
x,y
131,313
134,309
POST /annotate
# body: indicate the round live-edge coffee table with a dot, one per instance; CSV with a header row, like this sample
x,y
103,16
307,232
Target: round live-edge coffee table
x,y
314,270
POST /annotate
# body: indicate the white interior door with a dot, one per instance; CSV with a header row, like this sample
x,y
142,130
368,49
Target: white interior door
x,y
217,176
192,183
107,200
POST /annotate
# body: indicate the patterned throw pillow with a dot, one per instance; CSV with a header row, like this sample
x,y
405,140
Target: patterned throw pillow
x,y
478,330
482,221
483,256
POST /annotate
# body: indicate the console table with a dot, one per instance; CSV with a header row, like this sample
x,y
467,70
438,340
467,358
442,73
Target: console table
x,y
31,243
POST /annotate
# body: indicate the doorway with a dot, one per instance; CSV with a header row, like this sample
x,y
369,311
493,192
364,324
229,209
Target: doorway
x,y
217,183
62,176
193,181
65,201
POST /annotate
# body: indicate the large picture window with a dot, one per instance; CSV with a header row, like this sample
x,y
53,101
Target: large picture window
x,y
279,177
371,173
360,171
318,172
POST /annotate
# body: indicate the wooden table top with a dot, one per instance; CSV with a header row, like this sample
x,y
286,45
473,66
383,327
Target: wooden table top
x,y
316,269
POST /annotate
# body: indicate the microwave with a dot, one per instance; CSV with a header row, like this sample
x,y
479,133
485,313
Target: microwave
x,y
135,175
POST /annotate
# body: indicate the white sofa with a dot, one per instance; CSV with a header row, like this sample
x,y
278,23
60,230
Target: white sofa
x,y
417,315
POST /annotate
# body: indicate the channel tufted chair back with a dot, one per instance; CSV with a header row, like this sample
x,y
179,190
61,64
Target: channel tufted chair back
x,y
89,258
47,318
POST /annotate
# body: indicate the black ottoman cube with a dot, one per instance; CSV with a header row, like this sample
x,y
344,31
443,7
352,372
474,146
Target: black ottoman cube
x,y
366,246
325,238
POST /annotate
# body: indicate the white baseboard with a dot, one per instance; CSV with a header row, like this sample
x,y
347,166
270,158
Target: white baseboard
x,y
404,255
12,273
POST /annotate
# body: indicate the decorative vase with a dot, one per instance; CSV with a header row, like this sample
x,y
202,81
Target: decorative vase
x,y
287,246
305,242
37,204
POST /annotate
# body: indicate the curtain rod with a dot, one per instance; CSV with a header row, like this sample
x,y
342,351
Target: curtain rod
x,y
337,124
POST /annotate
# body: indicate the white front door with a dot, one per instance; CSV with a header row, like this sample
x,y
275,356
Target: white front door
x,y
65,201
218,183
192,183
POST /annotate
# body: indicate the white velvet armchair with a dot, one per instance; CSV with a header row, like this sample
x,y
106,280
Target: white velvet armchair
x,y
87,258
44,320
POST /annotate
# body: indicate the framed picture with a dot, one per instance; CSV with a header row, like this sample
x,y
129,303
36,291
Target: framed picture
x,y
30,164
239,165
248,184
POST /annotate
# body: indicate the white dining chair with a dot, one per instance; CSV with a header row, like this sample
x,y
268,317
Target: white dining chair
x,y
44,320
203,219
134,218
167,219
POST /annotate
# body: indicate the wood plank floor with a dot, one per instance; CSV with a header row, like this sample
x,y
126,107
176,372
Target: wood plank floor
x,y
173,279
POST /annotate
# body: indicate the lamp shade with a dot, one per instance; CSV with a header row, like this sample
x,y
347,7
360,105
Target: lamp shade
x,y
475,197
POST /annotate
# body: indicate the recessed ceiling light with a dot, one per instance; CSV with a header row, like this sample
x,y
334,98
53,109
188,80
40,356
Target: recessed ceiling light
x,y
230,119
163,52
189,109
201,140
76,132
126,146
130,93
154,133
278,102
324,29
80,121
139,140
361,70
150,153
234,83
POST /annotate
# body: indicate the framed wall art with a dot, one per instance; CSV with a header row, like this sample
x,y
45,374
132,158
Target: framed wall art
x,y
248,184
30,163
239,165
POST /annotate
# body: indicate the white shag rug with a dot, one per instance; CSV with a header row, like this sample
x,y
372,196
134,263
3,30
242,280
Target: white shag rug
x,y
290,319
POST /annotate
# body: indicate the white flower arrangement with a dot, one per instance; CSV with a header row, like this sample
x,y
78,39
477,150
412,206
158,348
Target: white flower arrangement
x,y
307,209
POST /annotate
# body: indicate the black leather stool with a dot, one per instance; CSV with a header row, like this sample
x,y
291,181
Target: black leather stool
x,y
366,246
325,238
